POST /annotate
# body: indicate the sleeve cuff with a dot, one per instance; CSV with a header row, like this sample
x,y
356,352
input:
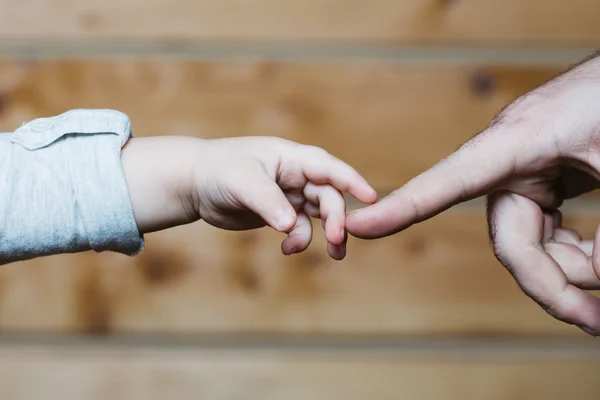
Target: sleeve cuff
x,y
91,142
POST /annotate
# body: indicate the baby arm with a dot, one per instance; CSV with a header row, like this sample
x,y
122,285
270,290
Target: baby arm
x,y
80,182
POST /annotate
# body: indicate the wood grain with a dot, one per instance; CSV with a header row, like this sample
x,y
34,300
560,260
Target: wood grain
x,y
438,278
362,21
102,373
390,121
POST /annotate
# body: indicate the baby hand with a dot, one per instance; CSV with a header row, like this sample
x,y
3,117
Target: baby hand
x,y
249,182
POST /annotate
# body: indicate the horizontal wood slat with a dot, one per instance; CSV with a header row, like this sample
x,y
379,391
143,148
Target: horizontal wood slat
x,y
379,21
437,278
389,121
104,373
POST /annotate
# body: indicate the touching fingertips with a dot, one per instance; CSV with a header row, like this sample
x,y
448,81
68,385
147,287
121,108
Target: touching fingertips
x,y
365,194
371,196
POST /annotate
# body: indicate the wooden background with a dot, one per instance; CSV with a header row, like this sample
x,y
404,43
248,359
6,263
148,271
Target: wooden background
x,y
390,87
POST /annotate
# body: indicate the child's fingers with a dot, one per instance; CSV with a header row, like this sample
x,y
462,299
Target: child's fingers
x,y
328,204
321,167
313,210
332,210
300,236
264,197
337,252
296,198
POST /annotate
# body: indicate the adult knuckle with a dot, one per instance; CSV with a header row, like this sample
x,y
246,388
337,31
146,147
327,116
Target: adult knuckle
x,y
523,110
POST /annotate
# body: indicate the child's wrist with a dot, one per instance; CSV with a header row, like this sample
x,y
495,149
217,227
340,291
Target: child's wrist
x,y
159,175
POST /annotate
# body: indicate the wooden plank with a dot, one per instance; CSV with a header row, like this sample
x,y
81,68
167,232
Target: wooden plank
x,y
379,21
390,121
438,278
105,373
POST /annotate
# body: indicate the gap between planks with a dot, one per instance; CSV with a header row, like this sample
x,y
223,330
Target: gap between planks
x,y
298,52
377,346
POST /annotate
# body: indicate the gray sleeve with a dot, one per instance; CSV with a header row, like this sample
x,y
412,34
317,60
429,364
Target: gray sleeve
x,y
62,187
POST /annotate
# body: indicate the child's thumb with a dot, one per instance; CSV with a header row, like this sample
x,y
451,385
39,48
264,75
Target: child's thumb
x,y
264,197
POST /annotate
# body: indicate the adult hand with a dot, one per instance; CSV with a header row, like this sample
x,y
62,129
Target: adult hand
x,y
539,151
